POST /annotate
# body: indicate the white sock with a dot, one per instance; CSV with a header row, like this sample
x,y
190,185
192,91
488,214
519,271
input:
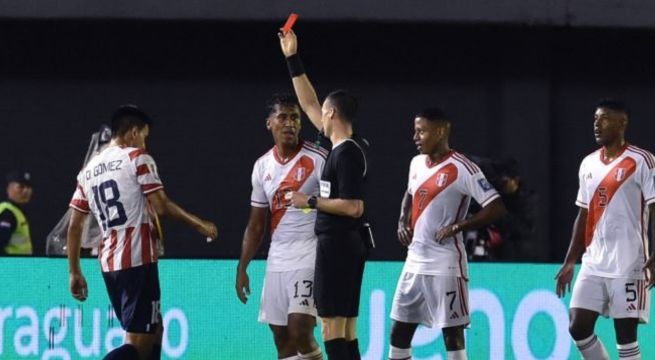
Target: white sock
x,y
314,355
592,348
291,358
399,354
457,355
629,351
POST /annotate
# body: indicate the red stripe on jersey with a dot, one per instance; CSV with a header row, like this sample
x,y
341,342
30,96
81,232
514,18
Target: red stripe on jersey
x,y
432,187
80,204
148,188
79,187
313,150
459,251
296,177
462,297
135,153
142,170
605,192
126,257
112,250
145,244
644,244
647,156
470,165
467,166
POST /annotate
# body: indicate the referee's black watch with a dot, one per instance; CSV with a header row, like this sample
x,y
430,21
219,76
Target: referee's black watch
x,y
311,202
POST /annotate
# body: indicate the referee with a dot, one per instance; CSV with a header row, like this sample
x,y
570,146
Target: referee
x,y
341,250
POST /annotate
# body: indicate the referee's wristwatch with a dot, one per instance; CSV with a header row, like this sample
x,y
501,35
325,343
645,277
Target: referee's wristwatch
x,y
311,202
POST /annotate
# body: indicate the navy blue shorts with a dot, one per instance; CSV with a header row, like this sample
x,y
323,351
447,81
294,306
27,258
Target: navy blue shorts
x,y
135,296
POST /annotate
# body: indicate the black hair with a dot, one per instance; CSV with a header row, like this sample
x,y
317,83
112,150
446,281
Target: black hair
x,y
283,99
345,103
433,114
614,105
126,117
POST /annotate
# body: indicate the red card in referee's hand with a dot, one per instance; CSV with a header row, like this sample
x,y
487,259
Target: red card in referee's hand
x,y
289,24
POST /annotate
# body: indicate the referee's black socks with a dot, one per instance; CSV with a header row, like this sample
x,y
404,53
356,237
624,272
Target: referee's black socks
x,y
353,350
337,349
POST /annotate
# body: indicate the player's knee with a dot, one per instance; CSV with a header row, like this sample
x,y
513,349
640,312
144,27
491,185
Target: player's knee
x,y
454,338
401,335
579,331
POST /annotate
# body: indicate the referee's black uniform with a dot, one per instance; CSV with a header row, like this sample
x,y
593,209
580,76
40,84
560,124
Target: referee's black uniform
x,y
341,251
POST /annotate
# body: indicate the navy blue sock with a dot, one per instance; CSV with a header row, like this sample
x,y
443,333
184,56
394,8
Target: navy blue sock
x,y
125,352
353,350
337,349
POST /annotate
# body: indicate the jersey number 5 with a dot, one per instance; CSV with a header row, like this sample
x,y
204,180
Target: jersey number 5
x,y
112,212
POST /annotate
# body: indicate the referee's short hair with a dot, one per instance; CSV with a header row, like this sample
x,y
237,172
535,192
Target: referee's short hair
x,y
345,103
433,114
126,117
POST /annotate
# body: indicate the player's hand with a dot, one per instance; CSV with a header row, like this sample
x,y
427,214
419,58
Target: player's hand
x,y
78,286
208,229
405,234
649,268
288,43
447,232
243,286
564,277
297,199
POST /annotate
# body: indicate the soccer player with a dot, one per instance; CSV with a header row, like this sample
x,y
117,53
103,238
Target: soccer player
x,y
118,186
615,199
287,302
433,287
341,250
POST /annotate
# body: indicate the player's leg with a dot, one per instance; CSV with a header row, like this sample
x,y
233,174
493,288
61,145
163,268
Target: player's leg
x,y
589,299
447,301
629,304
301,318
358,263
408,310
334,337
285,347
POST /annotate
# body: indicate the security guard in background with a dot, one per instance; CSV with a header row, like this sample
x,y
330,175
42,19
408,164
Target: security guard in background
x,y
14,230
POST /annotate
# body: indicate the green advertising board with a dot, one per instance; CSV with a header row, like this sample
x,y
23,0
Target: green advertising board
x,y
515,314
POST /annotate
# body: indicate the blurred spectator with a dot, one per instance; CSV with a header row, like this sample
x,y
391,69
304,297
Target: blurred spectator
x,y
510,237
15,236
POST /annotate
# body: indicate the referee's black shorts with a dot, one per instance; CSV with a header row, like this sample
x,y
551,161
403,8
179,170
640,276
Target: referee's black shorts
x,y
135,296
338,275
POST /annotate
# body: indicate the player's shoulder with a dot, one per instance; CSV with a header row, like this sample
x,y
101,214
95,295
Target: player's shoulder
x,y
591,157
312,149
641,155
267,156
466,165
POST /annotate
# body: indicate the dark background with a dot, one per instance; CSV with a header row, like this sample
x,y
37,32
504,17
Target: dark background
x,y
512,90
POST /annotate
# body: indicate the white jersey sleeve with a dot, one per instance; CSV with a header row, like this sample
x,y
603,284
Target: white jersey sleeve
x,y
79,201
479,188
582,200
647,180
258,196
146,171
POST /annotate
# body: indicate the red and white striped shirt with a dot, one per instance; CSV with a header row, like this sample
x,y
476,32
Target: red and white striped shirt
x,y
113,186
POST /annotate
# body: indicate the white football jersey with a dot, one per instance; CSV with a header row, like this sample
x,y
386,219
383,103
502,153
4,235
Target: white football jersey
x,y
616,195
441,194
113,186
293,241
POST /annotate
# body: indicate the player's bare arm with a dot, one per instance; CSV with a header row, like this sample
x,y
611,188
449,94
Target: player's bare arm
x,y
576,249
490,213
166,207
78,286
252,240
303,87
649,267
404,230
343,207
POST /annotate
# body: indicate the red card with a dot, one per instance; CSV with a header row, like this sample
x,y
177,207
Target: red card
x,y
290,21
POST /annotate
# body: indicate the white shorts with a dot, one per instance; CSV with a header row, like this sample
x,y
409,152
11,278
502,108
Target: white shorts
x,y
287,293
431,300
616,298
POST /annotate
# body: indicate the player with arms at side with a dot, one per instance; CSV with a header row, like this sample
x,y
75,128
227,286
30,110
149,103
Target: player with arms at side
x,y
118,186
616,197
287,302
433,287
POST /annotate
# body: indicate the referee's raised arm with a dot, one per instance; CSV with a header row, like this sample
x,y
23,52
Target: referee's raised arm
x,y
301,84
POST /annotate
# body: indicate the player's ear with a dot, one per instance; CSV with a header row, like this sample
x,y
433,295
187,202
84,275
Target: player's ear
x,y
268,124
